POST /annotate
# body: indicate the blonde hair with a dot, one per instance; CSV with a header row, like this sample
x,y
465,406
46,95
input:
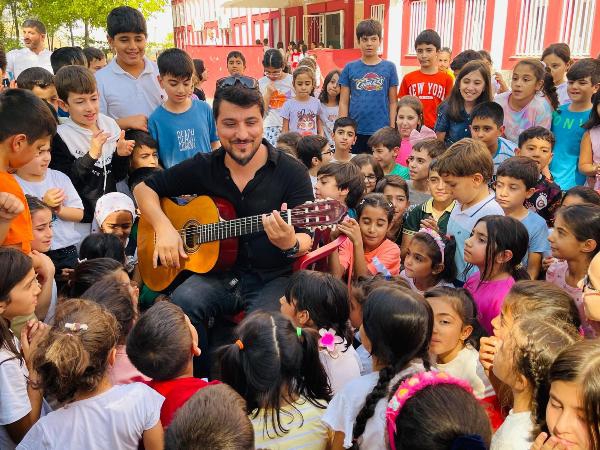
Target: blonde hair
x,y
466,158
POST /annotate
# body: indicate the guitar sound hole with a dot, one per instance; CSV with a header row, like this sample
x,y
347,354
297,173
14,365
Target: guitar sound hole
x,y
190,236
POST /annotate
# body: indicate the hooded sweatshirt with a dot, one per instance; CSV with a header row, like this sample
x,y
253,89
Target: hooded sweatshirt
x,y
91,177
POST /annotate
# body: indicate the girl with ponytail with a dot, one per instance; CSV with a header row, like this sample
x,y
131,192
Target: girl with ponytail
x,y
396,330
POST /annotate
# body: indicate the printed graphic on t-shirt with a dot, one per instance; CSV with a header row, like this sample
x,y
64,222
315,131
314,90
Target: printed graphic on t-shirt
x,y
277,100
369,82
307,122
186,140
427,90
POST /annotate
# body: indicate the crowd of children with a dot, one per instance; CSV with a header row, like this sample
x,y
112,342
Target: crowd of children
x,y
460,310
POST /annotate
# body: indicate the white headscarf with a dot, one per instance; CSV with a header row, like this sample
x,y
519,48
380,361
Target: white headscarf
x,y
110,203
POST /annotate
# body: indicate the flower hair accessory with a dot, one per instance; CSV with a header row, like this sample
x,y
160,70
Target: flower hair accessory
x,y
329,341
411,386
76,326
437,238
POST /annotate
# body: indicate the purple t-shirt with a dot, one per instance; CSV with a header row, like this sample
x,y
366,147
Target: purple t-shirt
x,y
302,116
489,296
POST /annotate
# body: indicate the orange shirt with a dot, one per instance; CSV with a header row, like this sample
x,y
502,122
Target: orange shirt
x,y
384,257
20,231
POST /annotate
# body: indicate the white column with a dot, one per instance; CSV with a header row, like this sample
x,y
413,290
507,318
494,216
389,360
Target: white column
x,y
393,33
498,32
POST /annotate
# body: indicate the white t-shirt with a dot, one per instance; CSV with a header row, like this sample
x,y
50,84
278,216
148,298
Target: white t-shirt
x,y
64,231
284,91
341,366
466,366
23,58
328,115
114,419
346,404
514,433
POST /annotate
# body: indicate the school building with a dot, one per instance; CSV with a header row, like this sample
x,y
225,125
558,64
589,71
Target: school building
x,y
509,29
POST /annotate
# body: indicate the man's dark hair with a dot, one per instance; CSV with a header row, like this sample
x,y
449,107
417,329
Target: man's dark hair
x,y
125,19
537,133
489,110
240,96
21,112
369,27
429,37
33,23
520,168
344,122
35,76
74,79
175,62
236,54
463,58
588,67
67,56
92,53
3,61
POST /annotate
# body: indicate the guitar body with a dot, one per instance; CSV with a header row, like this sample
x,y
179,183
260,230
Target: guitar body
x,y
202,258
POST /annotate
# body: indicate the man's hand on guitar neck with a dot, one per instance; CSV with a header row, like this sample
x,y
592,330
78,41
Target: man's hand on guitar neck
x,y
281,234
168,247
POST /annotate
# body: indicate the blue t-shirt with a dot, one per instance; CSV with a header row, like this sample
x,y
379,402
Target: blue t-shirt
x,y
566,126
181,135
369,87
538,235
454,130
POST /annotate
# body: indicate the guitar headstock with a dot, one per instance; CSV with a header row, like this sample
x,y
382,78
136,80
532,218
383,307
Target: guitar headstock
x,y
319,213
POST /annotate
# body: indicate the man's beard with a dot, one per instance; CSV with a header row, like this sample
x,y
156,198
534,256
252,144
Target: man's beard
x,y
246,159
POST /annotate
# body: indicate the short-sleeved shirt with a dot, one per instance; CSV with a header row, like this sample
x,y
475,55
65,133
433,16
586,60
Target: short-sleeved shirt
x,y
20,232
122,95
545,200
431,89
537,113
466,366
455,130
369,93
538,235
328,115
563,95
412,224
506,149
566,126
181,135
515,433
400,171
284,90
64,231
302,116
24,58
488,296
385,259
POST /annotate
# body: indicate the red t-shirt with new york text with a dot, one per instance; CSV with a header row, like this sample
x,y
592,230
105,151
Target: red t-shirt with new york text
x,y
430,89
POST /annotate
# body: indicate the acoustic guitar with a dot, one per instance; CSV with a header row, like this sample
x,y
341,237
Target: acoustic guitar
x,y
209,230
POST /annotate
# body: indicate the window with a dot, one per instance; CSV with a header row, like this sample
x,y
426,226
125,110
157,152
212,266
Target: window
x,y
256,30
418,16
444,21
532,23
293,34
474,28
577,24
378,13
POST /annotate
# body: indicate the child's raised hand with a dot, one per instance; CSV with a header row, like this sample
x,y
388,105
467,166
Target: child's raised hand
x,y
54,197
10,206
430,223
488,346
31,335
43,266
98,140
124,146
543,442
547,261
271,88
350,228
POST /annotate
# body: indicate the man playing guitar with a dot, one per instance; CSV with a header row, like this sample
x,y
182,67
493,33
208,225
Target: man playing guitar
x,y
257,179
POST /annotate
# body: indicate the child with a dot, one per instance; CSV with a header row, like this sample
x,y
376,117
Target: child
x,y
181,127
422,414
301,113
409,124
429,261
444,58
589,155
57,192
462,59
367,249
523,105
101,245
314,152
200,77
466,169
342,182
537,143
89,147
161,345
574,241
236,63
567,121
371,171
557,58
320,302
67,56
455,338
428,84
41,82
522,362
498,83
472,88
496,247
276,368
395,190
579,195
330,103
385,144
396,330
72,363
96,59
515,183
487,120
288,142
589,288
144,153
214,418
88,272
128,88
422,154
276,88
344,137
368,87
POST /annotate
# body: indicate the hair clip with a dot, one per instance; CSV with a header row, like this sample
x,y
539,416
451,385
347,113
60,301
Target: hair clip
x,y
79,261
437,238
240,344
298,331
76,326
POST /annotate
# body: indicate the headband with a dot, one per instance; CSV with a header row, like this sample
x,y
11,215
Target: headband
x,y
437,238
108,204
411,386
425,133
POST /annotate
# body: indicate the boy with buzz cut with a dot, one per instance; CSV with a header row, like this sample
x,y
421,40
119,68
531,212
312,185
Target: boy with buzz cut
x,y
368,87
422,154
487,126
236,63
515,183
385,144
182,126
428,84
314,152
583,81
41,82
537,143
467,168
161,345
344,137
341,181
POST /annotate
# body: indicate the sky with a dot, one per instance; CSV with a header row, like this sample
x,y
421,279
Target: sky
x,y
160,24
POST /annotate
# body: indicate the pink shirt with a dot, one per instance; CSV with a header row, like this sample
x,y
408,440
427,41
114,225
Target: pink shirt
x,y
385,258
123,371
489,296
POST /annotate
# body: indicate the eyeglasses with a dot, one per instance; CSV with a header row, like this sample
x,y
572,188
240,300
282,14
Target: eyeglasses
x,y
328,152
370,177
273,74
247,82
